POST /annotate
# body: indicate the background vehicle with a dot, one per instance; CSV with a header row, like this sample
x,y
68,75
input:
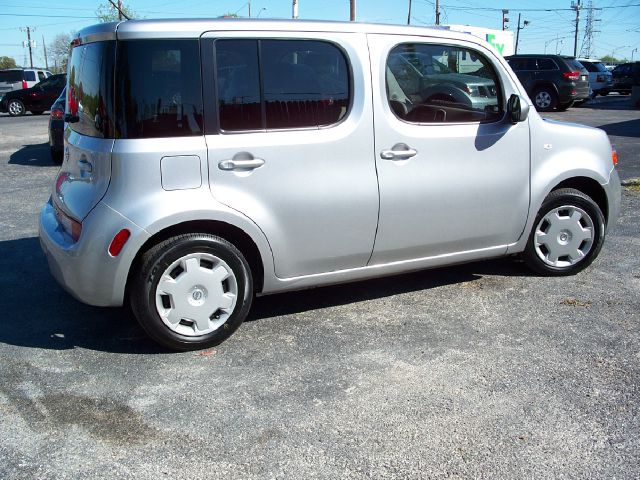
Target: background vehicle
x,y
36,99
625,76
19,78
600,79
56,126
551,81
224,162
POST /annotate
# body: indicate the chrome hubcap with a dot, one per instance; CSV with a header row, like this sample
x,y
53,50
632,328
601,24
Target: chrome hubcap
x,y
196,294
15,108
564,236
543,99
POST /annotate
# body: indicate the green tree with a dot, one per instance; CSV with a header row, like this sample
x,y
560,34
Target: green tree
x,y
108,13
609,59
7,62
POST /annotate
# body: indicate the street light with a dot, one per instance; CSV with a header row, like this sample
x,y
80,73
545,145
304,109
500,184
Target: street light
x,y
632,52
261,10
526,22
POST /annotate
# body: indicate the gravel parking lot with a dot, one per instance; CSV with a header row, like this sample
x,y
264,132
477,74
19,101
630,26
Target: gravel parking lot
x,y
475,371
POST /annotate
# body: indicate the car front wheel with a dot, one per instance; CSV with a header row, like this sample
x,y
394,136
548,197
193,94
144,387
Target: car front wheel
x,y
15,108
192,291
567,235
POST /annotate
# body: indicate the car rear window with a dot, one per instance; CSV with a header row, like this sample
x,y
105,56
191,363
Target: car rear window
x,y
158,89
11,76
573,64
90,92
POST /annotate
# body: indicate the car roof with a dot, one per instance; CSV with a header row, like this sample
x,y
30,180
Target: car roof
x,y
193,28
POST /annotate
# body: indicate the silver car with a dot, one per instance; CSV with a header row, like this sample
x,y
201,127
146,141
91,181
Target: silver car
x,y
218,160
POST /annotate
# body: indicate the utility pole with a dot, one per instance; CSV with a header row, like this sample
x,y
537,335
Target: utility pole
x,y
576,7
352,10
119,9
505,19
44,46
437,12
249,2
294,6
409,16
524,24
29,43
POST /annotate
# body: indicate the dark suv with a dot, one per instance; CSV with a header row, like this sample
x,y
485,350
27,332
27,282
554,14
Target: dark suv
x,y
625,76
552,81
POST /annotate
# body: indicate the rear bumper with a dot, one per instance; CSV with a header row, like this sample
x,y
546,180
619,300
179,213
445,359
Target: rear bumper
x,y
614,197
84,268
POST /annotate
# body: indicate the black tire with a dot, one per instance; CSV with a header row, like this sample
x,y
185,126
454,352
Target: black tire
x,y
559,199
604,93
15,108
545,99
565,106
154,265
56,156
37,112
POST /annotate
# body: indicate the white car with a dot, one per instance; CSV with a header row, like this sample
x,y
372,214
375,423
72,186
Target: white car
x,y
600,78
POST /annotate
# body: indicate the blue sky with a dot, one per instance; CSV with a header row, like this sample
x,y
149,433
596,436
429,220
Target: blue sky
x,y
618,25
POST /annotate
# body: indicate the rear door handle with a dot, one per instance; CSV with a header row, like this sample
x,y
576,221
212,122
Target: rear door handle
x,y
241,164
399,151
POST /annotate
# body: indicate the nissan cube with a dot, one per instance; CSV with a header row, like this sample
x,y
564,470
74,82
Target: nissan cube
x,y
206,162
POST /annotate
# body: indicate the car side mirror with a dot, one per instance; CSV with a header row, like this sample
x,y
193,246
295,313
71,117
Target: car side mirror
x,y
517,111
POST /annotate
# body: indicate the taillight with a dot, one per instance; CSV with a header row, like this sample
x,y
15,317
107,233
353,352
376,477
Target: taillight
x,y
24,84
571,75
63,177
614,157
118,242
71,226
57,114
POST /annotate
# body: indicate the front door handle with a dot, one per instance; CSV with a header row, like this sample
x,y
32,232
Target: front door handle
x,y
248,164
399,151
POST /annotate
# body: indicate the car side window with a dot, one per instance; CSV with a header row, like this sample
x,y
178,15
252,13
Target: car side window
x,y
30,76
280,84
546,64
442,84
41,75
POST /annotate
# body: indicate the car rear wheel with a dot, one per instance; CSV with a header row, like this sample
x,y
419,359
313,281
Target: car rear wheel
x,y
545,99
15,108
192,291
568,234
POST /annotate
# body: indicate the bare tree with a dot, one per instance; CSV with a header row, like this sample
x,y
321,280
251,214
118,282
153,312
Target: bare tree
x,y
59,50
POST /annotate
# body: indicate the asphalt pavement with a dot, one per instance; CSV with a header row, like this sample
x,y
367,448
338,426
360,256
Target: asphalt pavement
x,y
476,371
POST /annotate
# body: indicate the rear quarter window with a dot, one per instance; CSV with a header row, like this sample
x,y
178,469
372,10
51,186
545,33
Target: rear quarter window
x,y
30,76
158,89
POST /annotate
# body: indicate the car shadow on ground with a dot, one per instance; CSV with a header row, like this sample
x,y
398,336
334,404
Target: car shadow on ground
x,y
630,128
610,102
37,313
36,155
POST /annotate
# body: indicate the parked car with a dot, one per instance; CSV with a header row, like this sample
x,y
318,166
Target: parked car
x,y
20,78
625,76
56,127
36,99
216,160
600,79
552,81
